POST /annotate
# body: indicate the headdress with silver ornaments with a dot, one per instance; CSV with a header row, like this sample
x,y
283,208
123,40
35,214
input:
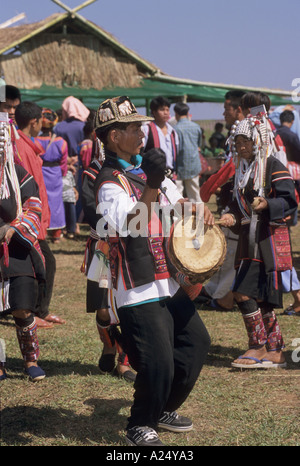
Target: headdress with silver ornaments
x,y
257,129
8,134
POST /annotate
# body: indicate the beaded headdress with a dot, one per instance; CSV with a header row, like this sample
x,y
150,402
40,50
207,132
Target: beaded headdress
x,y
7,165
257,129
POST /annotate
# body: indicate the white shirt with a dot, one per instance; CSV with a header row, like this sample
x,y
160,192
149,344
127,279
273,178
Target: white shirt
x,y
165,142
115,204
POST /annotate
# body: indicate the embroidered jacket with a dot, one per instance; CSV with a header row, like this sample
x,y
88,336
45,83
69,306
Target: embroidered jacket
x,y
140,260
23,255
256,241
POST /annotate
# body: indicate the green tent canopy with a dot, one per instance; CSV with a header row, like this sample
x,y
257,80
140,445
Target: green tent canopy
x,y
52,97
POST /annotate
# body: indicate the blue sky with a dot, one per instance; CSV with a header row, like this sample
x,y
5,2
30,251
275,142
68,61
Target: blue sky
x,y
251,43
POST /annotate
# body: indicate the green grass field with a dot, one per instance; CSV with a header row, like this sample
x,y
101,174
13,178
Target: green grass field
x,y
77,406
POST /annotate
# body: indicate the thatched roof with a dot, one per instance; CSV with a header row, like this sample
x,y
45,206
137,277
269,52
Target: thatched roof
x,y
64,50
65,54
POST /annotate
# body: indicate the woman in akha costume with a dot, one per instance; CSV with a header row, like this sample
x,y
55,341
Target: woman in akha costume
x,y
264,197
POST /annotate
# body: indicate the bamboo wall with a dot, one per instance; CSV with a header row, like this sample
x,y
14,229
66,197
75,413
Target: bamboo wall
x,y
73,59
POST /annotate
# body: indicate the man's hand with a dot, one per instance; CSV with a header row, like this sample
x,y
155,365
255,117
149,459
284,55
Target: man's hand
x,y
154,166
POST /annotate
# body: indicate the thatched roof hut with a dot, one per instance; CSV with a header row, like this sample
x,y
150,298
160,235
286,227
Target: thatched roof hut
x,y
63,51
65,54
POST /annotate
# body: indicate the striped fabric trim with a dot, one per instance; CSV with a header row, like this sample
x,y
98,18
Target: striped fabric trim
x,y
281,175
282,178
28,224
282,171
91,172
126,185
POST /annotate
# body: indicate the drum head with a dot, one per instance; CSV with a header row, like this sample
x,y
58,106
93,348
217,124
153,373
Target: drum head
x,y
198,263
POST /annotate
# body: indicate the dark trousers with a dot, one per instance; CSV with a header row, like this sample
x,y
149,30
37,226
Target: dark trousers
x,y
166,343
45,290
70,213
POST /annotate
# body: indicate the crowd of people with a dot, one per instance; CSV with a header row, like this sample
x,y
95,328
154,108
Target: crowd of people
x,y
63,168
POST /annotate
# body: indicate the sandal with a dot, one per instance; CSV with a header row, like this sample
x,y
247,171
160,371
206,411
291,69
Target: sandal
x,y
290,311
258,363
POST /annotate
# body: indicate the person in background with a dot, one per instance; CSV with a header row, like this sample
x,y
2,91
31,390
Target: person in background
x,y
70,197
232,108
22,263
54,168
160,134
74,117
275,117
188,160
99,295
217,292
86,146
217,139
29,120
12,100
290,139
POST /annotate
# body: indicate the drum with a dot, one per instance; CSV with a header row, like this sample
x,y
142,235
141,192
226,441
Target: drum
x,y
199,260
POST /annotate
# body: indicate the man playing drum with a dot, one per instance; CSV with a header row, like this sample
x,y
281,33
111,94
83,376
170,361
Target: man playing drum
x,y
164,337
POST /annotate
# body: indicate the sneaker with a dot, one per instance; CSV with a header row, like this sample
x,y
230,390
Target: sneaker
x,y
175,423
142,437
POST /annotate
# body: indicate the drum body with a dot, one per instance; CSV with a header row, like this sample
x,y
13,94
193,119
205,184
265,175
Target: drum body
x,y
199,264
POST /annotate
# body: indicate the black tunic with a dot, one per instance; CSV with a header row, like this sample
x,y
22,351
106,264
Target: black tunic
x,y
257,273
25,258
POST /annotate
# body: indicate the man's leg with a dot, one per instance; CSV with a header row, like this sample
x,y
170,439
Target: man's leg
x,y
191,346
147,332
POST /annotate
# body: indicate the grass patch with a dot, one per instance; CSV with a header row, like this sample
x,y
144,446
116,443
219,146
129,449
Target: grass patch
x,y
77,406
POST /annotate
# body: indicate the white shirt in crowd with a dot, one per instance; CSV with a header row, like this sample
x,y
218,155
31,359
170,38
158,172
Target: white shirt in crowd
x,y
164,141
